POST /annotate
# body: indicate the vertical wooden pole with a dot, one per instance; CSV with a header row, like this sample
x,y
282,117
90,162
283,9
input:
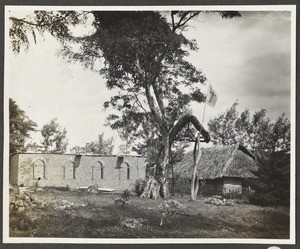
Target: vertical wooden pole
x,y
249,192
195,181
196,186
171,165
194,173
204,112
207,91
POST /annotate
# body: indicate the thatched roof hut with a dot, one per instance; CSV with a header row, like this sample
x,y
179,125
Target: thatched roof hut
x,y
222,170
218,162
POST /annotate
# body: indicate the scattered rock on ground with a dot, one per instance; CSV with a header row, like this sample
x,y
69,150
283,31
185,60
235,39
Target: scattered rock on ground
x,y
20,199
171,207
121,202
171,204
134,223
220,201
93,189
63,204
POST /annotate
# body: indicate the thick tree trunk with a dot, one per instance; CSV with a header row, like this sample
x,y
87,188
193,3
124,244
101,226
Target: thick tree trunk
x,y
158,185
152,189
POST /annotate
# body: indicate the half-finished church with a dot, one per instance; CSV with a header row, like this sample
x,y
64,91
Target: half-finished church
x,y
76,171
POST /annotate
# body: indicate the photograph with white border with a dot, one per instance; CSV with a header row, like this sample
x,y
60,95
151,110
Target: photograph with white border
x,y
149,124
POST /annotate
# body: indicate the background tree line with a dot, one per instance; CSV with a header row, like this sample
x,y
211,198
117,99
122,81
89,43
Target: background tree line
x,y
268,140
54,136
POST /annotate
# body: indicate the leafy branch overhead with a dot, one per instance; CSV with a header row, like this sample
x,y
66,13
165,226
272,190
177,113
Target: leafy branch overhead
x,y
57,23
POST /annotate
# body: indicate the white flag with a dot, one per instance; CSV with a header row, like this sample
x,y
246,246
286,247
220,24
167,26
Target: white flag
x,y
211,97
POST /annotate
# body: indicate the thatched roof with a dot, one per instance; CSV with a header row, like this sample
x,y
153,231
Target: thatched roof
x,y
218,162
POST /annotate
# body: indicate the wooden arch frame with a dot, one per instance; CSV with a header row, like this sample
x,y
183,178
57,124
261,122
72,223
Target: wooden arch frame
x,y
203,136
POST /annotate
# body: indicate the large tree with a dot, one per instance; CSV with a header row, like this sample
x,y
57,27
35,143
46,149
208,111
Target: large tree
x,y
145,60
54,138
20,126
143,56
100,146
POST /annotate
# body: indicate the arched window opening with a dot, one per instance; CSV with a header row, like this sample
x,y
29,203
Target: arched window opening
x,y
69,171
38,170
97,171
124,171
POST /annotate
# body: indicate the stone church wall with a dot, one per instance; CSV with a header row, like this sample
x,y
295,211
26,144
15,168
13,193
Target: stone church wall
x,y
75,171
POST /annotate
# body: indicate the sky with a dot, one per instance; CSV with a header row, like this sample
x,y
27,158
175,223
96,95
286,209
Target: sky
x,y
246,59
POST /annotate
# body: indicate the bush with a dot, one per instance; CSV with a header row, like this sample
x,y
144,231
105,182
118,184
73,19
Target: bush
x,y
272,188
126,194
139,186
264,199
123,201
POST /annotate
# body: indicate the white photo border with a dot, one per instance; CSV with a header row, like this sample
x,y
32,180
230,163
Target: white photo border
x,y
290,241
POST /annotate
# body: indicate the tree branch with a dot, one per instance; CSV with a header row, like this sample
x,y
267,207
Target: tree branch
x,y
181,22
142,107
14,19
151,104
158,98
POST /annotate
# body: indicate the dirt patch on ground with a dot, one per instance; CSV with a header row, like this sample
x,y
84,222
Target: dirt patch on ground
x,y
50,212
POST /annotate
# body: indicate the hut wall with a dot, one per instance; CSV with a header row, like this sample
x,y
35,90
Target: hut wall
x,y
211,187
218,185
232,188
206,188
75,171
226,187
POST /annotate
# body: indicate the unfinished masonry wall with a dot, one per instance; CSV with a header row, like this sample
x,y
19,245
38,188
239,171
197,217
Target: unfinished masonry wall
x,y
75,171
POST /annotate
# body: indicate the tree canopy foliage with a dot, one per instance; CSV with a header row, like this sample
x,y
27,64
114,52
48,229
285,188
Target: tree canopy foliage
x,y
57,23
20,126
101,146
54,138
258,133
144,58
270,143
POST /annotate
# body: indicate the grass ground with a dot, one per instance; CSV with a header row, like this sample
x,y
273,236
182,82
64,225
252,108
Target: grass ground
x,y
89,215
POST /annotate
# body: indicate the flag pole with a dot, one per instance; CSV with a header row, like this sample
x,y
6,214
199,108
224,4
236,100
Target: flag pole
x,y
203,112
205,103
